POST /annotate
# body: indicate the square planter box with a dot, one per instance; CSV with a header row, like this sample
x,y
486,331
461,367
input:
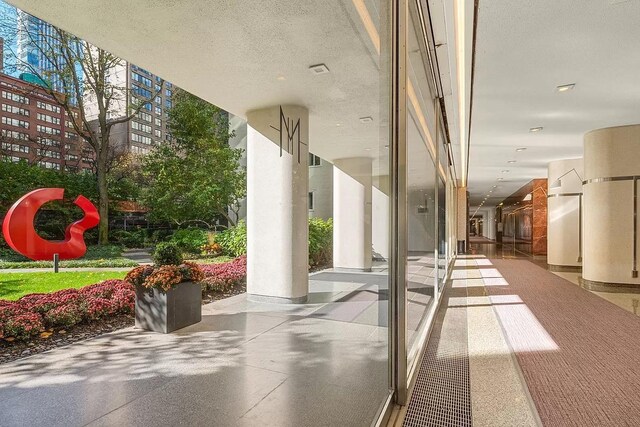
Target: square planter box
x,y
166,312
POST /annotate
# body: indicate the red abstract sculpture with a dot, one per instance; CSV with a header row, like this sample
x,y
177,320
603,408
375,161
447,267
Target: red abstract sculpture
x,y
20,234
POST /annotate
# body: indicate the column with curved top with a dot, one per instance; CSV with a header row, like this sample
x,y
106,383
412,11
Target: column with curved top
x,y
277,204
564,204
610,232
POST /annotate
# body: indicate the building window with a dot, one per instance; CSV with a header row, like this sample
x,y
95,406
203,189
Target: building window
x,y
48,142
311,201
140,79
47,129
15,147
50,165
48,119
157,133
15,122
15,97
141,127
48,153
14,134
158,110
15,110
144,116
144,93
48,107
167,103
140,139
314,160
158,122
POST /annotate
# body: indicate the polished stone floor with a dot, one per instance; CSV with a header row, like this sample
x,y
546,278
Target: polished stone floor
x,y
323,363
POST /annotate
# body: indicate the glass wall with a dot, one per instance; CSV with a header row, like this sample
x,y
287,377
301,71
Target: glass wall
x,y
326,78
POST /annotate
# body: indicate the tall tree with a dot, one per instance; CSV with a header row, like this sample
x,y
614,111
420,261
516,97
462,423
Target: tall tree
x,y
196,177
80,75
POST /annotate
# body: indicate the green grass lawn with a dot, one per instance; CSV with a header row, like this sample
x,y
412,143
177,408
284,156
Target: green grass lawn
x,y
15,285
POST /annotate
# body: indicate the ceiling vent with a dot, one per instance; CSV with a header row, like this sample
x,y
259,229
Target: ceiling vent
x,y
319,69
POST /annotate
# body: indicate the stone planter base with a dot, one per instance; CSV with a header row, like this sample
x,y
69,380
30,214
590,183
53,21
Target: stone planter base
x,y
167,312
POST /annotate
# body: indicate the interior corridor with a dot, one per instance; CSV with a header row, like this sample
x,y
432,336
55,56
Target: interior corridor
x,y
515,344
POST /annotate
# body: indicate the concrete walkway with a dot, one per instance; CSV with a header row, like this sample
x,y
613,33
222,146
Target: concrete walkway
x,y
323,363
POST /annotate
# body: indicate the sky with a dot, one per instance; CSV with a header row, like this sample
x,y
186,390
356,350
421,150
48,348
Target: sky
x,y
7,14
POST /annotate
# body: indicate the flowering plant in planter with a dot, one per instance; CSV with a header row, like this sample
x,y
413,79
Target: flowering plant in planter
x,y
178,300
164,277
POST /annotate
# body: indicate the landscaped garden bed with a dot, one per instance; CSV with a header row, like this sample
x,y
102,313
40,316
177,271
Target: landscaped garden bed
x,y
96,257
39,322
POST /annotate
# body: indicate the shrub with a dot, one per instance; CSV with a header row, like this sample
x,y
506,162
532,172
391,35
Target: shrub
x,y
223,276
320,242
38,303
233,240
99,307
123,300
64,315
101,290
191,240
167,253
129,238
23,326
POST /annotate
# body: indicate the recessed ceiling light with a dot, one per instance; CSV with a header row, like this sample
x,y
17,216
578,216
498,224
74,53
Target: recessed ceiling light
x,y
367,119
565,88
536,129
338,124
511,161
281,78
505,171
500,179
520,149
367,149
494,186
319,69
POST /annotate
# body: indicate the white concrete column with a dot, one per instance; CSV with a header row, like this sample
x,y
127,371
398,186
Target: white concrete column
x,y
563,217
352,193
380,217
610,162
462,221
277,210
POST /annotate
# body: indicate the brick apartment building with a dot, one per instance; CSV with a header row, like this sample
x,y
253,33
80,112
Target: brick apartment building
x,y
34,128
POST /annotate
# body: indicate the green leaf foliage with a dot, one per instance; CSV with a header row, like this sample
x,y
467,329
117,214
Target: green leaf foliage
x,y
195,177
320,242
233,240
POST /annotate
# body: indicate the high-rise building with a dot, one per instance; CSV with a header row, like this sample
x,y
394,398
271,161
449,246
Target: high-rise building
x,y
149,126
36,46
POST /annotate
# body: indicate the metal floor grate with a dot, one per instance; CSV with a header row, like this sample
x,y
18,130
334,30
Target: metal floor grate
x,y
441,396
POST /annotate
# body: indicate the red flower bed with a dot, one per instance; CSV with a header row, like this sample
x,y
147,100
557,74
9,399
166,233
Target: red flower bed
x,y
221,277
34,313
